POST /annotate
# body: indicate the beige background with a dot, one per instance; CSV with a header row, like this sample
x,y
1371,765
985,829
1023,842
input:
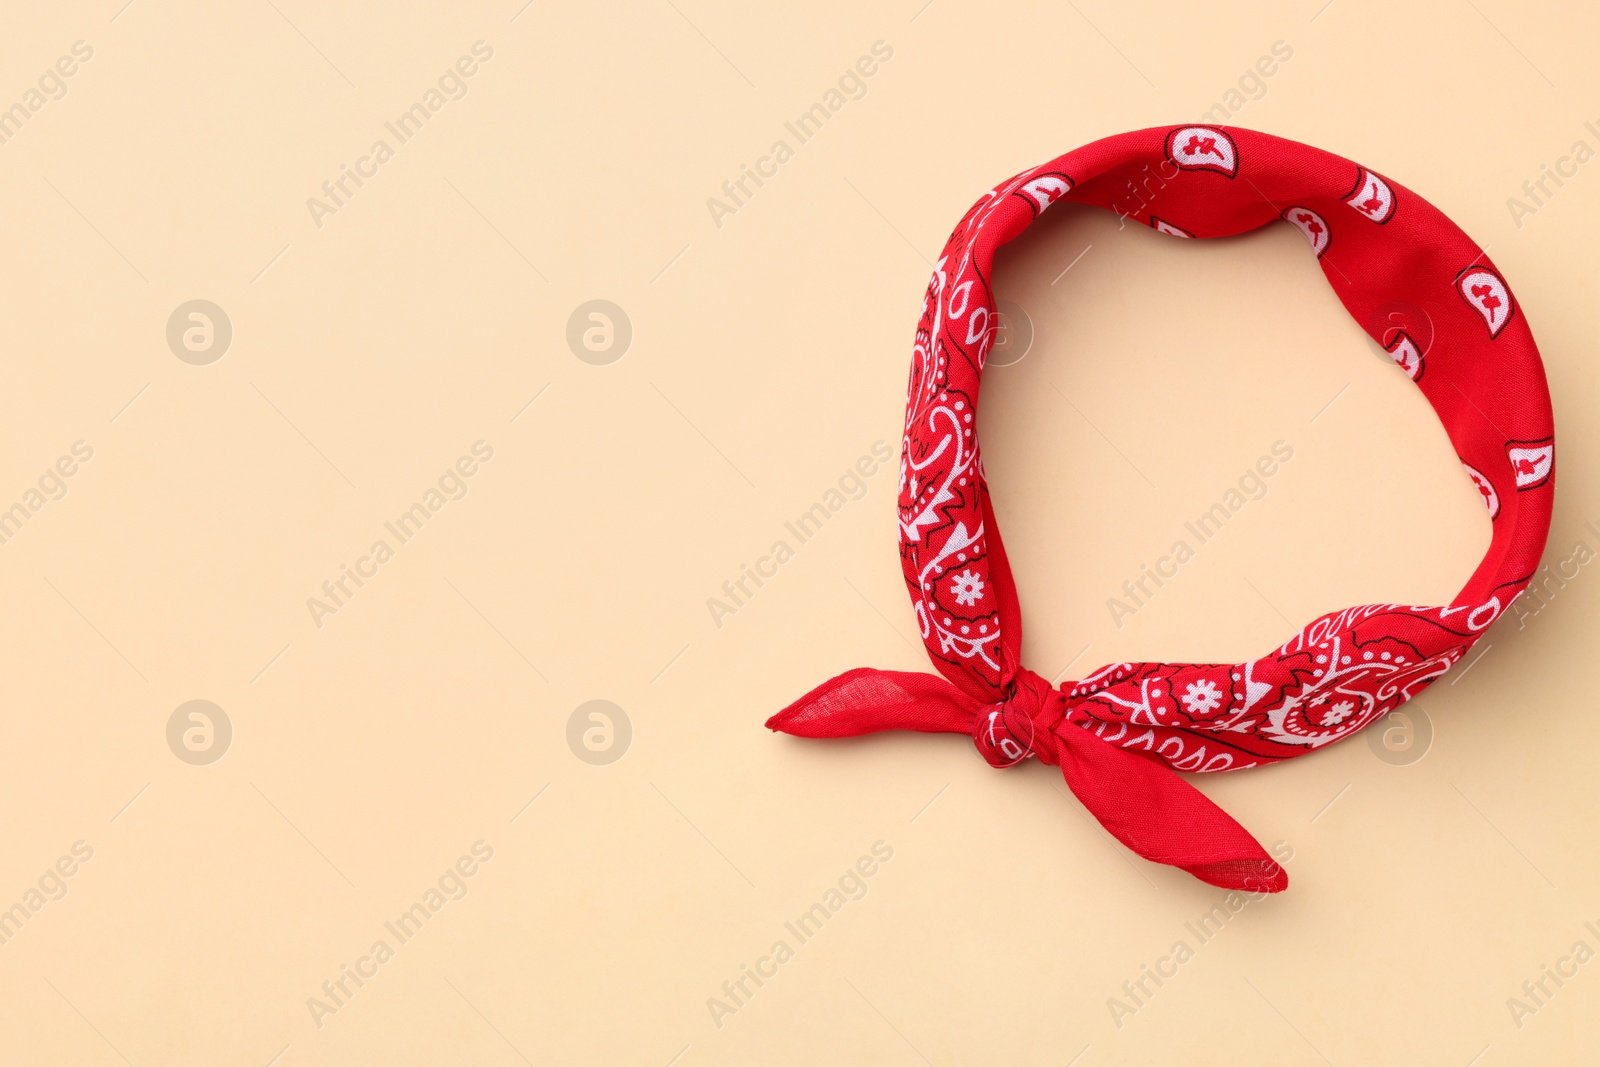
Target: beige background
x,y
768,353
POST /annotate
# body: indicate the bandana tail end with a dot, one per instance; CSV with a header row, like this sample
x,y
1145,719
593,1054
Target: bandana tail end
x,y
866,701
1146,805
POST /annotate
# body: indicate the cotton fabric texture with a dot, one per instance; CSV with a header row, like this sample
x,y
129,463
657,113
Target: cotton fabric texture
x,y
1121,733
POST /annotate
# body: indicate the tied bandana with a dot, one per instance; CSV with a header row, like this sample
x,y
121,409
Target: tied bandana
x,y
1418,285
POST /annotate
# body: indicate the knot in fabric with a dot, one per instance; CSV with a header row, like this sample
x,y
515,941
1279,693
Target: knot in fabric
x,y
1022,725
1140,800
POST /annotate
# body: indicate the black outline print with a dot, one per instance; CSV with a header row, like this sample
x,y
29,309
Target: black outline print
x,y
1032,201
1548,442
1362,174
1171,230
1400,336
1511,310
1215,168
1322,221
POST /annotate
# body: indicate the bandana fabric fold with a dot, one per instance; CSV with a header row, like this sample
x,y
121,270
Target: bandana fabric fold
x,y
1419,286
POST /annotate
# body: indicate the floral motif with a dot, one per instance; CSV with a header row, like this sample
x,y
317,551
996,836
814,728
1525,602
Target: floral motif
x,y
966,587
1343,670
1202,697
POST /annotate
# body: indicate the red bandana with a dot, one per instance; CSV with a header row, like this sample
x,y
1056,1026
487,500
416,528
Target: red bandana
x,y
1119,733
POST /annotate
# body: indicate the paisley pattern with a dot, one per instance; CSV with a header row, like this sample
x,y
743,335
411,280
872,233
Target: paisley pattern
x,y
1344,670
